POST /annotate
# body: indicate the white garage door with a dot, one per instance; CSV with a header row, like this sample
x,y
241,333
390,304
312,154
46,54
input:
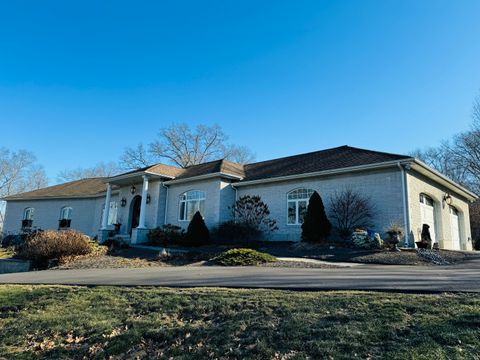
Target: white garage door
x,y
455,228
428,214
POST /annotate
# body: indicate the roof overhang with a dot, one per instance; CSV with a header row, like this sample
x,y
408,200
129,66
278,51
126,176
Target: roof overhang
x,y
129,178
77,197
203,177
424,169
331,172
414,164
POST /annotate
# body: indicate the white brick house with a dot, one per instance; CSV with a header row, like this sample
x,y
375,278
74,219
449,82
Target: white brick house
x,y
402,189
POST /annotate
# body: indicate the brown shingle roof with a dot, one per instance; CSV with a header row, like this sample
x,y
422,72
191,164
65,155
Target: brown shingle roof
x,y
329,159
211,167
160,169
75,189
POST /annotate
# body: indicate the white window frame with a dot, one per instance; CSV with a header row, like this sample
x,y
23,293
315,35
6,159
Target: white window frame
x,y
28,213
188,199
426,200
69,211
112,213
296,202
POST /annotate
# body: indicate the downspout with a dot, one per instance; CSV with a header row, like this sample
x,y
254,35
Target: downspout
x,y
236,195
406,217
236,192
166,204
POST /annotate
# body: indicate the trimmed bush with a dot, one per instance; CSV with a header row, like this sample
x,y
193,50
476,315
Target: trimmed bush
x,y
361,240
316,226
231,232
243,257
197,232
166,236
43,247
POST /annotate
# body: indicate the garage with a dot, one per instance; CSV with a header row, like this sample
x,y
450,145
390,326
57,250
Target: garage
x,y
455,228
427,209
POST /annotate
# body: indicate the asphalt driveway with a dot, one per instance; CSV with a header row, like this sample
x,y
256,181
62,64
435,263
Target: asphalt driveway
x,y
464,277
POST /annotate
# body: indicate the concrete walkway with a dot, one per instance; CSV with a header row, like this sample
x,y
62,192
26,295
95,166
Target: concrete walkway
x,y
464,277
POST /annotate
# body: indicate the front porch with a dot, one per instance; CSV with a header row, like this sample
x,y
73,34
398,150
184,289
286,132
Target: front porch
x,y
141,200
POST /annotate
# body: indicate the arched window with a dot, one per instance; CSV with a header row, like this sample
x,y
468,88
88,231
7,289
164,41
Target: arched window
x,y
65,217
426,200
27,220
191,202
28,213
297,202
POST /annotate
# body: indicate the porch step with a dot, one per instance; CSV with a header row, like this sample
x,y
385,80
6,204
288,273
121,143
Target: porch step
x,y
122,238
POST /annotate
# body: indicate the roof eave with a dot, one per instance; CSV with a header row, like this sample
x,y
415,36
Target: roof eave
x,y
444,180
203,177
134,175
327,172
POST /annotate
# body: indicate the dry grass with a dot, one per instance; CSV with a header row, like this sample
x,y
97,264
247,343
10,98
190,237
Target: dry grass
x,y
57,322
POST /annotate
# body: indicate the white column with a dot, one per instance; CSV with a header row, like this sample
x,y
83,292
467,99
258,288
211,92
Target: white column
x,y
143,204
106,211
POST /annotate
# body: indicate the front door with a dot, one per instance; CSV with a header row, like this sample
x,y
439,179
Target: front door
x,y
135,212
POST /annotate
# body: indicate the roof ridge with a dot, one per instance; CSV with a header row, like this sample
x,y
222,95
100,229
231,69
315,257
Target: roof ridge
x,y
297,155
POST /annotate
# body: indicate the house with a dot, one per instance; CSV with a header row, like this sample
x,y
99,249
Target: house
x,y
402,189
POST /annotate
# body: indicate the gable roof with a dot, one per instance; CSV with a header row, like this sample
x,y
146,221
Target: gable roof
x,y
84,188
158,169
329,159
218,166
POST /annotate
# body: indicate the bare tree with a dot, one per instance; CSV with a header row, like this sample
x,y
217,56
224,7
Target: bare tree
x,y
183,146
18,173
459,158
100,170
136,157
350,210
251,210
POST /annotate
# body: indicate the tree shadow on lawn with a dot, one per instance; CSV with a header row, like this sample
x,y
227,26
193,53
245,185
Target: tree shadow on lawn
x,y
201,323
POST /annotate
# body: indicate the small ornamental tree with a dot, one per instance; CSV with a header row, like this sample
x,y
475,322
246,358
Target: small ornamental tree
x,y
252,211
350,210
316,226
197,232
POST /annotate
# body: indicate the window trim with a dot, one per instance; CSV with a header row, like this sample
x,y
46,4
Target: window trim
x,y
426,200
296,201
183,199
31,211
69,214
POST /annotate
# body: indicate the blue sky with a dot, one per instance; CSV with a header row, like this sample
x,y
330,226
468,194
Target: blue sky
x,y
80,81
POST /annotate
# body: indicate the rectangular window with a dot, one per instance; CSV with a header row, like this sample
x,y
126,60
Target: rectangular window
x,y
113,213
302,210
292,212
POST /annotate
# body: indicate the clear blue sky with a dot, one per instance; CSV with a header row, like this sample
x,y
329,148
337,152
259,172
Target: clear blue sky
x,y
81,80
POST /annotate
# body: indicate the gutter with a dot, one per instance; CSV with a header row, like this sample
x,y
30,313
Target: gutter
x,y
326,172
469,194
76,197
203,177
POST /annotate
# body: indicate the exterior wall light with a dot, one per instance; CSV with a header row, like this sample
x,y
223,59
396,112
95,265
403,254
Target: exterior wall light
x,y
149,198
123,202
133,189
447,199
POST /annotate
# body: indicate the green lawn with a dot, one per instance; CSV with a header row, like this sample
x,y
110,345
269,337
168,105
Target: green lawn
x,y
72,322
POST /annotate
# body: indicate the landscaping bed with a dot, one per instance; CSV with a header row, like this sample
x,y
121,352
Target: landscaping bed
x,y
52,322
